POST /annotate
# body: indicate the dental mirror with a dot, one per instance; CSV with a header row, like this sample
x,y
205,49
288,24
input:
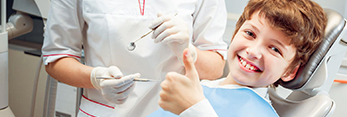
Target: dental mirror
x,y
132,45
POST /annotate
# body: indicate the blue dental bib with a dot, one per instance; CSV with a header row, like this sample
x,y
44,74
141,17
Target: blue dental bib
x,y
239,102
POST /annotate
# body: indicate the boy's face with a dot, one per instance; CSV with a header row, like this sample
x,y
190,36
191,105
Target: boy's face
x,y
259,55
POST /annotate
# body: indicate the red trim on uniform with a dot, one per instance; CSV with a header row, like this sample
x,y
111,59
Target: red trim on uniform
x,y
142,10
87,113
217,50
61,54
97,102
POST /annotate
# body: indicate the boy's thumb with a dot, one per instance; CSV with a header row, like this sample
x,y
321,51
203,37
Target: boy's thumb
x,y
189,64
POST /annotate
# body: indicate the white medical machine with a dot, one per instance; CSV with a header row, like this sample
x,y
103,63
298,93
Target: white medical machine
x,y
18,24
4,108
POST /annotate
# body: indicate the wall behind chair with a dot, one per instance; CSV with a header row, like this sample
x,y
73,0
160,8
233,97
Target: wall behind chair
x,y
337,5
235,9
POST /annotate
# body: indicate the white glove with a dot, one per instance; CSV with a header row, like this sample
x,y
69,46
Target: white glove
x,y
173,31
114,90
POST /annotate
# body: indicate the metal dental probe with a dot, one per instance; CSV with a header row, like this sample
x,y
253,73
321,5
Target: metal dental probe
x,y
135,79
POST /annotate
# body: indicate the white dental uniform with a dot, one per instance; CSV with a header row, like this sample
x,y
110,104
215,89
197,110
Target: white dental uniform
x,y
106,27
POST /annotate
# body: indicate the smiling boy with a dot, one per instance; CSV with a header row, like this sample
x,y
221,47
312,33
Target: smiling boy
x,y
259,54
272,39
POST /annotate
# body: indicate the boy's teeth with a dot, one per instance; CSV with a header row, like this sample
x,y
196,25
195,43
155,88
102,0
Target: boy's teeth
x,y
248,66
244,63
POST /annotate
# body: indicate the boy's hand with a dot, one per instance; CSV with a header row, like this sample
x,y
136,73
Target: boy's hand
x,y
181,91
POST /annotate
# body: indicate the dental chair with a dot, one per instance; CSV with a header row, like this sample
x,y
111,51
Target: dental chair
x,y
308,95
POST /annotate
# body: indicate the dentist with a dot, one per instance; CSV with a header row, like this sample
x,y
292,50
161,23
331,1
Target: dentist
x,y
103,29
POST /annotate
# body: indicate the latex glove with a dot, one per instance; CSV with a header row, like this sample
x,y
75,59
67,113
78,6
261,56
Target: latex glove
x,y
181,91
113,90
173,31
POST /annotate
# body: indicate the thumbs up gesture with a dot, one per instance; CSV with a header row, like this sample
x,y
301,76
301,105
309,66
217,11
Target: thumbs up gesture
x,y
181,91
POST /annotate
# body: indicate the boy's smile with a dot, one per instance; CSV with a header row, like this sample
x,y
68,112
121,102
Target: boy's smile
x,y
258,55
247,66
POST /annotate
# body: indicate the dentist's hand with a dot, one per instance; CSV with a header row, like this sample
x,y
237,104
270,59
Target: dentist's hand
x,y
181,91
114,90
173,31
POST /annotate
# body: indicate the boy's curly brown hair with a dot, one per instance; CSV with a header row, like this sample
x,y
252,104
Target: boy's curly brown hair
x,y
303,21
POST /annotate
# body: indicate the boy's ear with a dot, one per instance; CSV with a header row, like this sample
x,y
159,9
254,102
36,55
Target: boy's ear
x,y
292,75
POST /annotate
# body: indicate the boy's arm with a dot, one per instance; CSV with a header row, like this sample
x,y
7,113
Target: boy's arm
x,y
200,109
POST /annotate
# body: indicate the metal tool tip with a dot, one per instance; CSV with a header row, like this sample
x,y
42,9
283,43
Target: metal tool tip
x,y
132,46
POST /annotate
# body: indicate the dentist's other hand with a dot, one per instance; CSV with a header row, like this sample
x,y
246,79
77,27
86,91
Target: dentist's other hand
x,y
114,90
181,91
172,30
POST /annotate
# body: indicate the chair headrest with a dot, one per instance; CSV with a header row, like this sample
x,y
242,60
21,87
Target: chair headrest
x,y
335,25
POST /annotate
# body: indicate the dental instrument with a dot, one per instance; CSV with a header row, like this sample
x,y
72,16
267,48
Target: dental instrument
x,y
132,45
135,79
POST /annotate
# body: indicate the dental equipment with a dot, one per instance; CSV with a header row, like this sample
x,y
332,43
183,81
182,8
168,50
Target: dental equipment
x,y
4,94
135,79
132,45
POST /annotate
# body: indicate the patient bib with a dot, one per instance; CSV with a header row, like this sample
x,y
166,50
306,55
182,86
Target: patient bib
x,y
239,102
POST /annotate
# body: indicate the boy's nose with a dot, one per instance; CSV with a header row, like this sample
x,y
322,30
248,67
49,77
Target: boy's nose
x,y
254,52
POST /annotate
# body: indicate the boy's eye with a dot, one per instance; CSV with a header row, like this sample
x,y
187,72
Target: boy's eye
x,y
250,33
276,50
